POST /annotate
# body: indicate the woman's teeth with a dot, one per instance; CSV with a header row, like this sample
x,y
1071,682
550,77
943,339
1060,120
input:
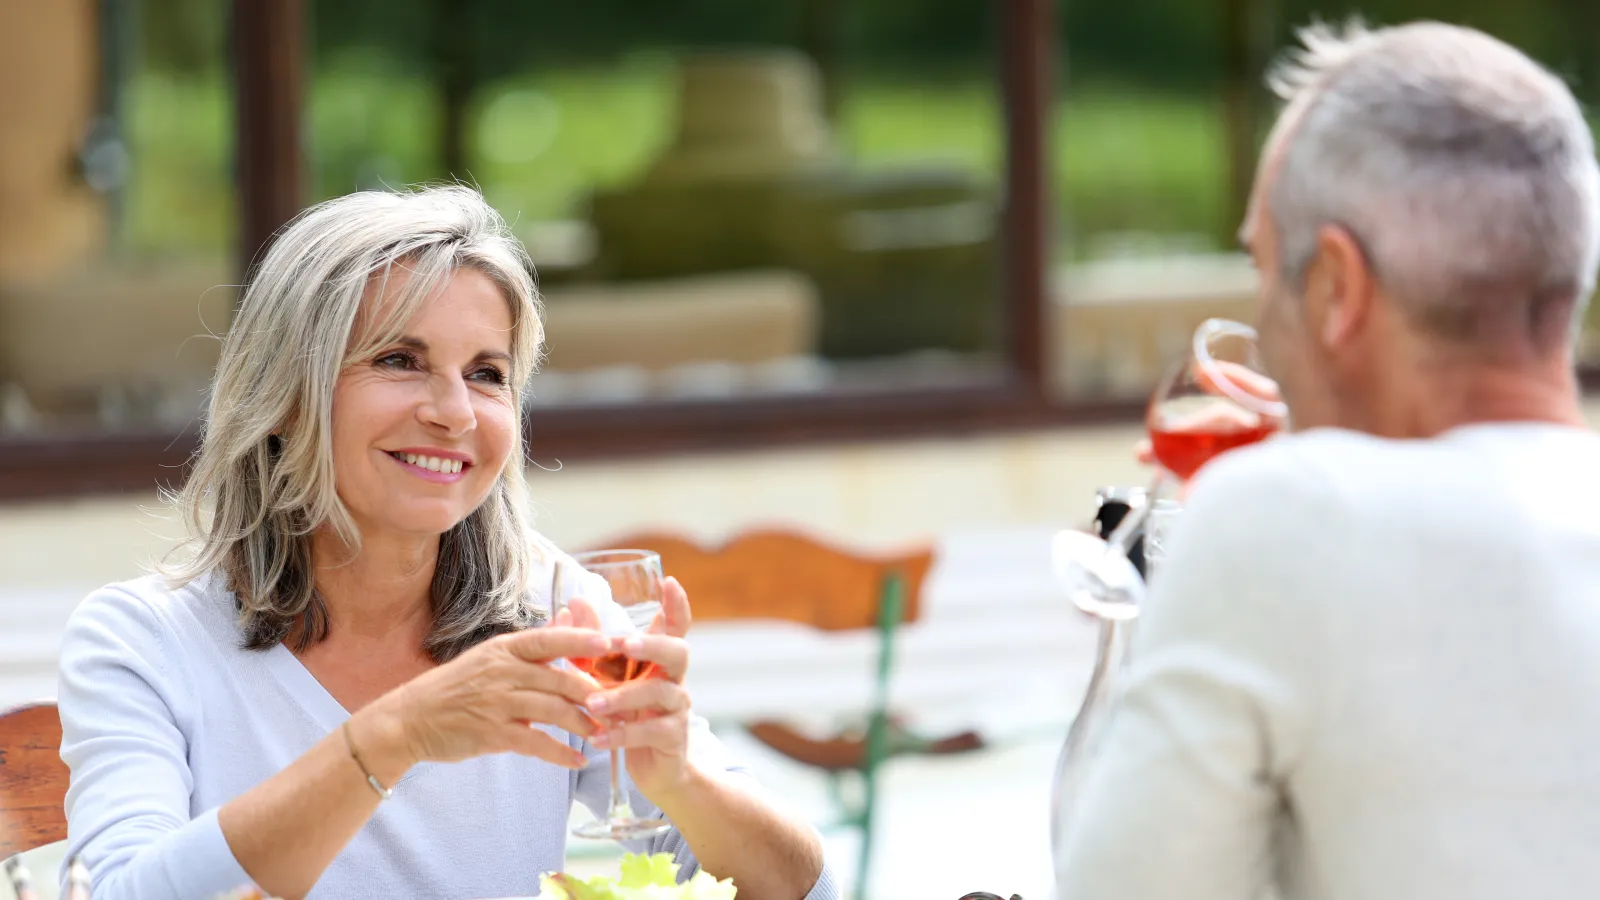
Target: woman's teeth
x,y
431,463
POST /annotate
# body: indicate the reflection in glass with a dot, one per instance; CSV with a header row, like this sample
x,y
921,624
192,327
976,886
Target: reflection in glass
x,y
116,217
733,203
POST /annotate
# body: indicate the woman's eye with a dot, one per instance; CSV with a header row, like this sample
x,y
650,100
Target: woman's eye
x,y
395,361
489,375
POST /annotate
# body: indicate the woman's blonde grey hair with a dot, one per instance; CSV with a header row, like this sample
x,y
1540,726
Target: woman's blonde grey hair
x,y
262,483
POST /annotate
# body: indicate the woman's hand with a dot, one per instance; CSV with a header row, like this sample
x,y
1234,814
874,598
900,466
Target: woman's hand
x,y
649,717
731,829
487,700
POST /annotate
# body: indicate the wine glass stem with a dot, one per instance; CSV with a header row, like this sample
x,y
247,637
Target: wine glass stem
x,y
1074,755
620,808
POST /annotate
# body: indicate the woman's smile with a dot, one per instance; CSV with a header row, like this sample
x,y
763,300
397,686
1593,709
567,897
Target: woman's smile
x,y
437,466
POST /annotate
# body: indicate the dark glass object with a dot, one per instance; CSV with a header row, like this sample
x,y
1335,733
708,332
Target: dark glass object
x,y
1111,506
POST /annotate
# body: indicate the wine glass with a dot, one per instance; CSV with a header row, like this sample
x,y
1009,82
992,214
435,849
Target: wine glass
x,y
1215,399
635,580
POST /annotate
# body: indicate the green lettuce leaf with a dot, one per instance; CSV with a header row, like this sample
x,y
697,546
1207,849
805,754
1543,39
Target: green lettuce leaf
x,y
653,877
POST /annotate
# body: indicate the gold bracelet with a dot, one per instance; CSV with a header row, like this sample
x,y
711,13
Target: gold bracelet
x,y
383,792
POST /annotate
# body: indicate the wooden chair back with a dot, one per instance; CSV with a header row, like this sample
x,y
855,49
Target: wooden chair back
x,y
33,779
784,574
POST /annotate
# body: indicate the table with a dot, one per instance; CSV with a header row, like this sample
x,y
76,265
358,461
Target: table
x,y
997,644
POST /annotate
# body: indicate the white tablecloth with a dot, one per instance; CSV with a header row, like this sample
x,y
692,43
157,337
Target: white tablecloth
x,y
996,642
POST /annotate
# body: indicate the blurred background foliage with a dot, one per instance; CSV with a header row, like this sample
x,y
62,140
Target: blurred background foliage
x,y
538,103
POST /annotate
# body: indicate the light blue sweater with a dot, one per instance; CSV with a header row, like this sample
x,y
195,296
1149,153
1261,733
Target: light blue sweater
x,y
165,719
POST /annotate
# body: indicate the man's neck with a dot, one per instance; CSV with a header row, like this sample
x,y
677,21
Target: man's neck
x,y
1442,397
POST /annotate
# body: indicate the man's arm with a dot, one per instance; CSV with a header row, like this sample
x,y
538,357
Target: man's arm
x,y
1182,799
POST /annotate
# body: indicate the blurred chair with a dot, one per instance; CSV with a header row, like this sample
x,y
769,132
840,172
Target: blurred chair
x,y
33,779
784,575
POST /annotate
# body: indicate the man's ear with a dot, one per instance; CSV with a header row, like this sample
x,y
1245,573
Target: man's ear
x,y
1339,287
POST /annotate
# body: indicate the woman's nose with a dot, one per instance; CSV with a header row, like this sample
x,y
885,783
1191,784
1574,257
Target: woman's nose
x,y
449,405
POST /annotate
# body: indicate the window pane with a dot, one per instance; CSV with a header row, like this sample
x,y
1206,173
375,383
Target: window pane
x,y
1158,129
723,200
116,213
1142,189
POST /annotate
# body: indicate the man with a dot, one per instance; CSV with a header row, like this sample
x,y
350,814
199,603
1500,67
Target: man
x,y
1371,665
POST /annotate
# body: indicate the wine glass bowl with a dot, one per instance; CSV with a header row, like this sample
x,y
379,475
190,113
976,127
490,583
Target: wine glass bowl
x,y
1216,399
634,577
614,669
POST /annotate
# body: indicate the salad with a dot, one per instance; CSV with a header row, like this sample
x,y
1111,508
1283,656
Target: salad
x,y
653,877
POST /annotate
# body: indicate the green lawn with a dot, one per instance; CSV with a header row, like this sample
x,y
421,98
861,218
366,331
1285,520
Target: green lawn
x,y
1124,160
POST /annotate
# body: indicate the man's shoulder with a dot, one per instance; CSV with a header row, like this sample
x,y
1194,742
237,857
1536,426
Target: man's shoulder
x,y
1374,478
1330,462
1307,468
1300,494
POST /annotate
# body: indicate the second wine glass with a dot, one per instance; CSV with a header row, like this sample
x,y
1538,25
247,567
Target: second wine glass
x,y
1214,400
635,580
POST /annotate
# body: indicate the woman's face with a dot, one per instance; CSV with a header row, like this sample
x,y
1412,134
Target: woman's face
x,y
422,431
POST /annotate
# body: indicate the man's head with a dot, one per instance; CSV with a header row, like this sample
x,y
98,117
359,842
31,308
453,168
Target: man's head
x,y
1427,208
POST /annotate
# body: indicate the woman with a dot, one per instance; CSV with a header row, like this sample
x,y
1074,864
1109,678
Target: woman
x,y
358,617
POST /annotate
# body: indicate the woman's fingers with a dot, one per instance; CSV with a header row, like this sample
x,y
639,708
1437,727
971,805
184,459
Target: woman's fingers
x,y
558,680
582,615
529,741
548,709
668,734
654,695
670,654
675,617
550,642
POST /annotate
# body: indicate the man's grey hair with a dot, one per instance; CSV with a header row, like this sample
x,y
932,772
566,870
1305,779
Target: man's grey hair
x,y
1464,169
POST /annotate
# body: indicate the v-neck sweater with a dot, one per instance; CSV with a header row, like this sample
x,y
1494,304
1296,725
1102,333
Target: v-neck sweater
x,y
165,718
